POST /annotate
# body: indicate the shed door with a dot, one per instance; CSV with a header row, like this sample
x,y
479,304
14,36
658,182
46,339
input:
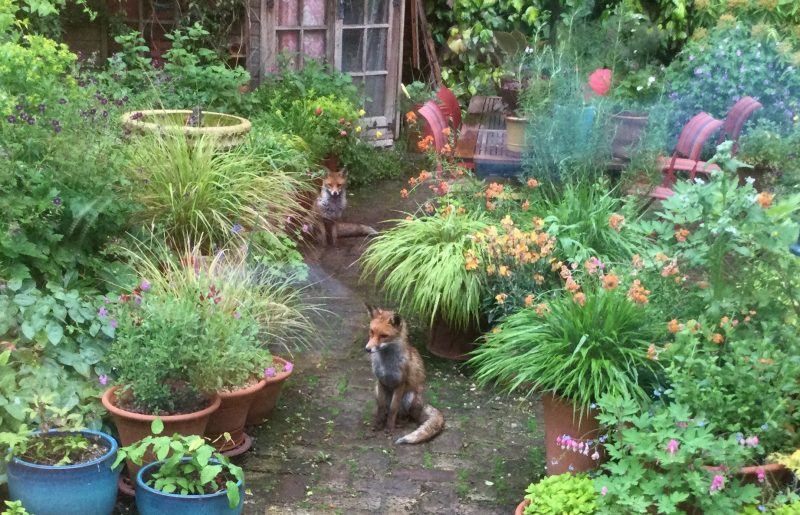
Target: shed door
x,y
299,27
365,50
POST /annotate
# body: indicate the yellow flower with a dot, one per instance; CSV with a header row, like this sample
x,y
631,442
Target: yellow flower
x,y
361,112
358,129
378,134
503,271
501,298
529,300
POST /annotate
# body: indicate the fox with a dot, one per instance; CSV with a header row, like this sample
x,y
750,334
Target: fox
x,y
329,208
400,376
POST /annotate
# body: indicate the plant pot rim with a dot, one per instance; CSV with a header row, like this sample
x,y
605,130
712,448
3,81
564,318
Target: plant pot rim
x,y
241,392
145,468
112,443
243,126
521,507
215,402
750,469
516,118
283,374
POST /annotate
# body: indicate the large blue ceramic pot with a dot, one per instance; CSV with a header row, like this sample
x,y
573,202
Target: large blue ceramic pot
x,y
150,501
88,488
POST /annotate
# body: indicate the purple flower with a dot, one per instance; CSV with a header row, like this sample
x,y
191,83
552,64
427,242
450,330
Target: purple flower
x,y
237,315
18,107
57,201
691,57
137,115
672,446
738,53
765,426
718,483
269,372
105,114
103,312
41,108
236,229
145,285
103,379
11,118
604,490
62,101
31,120
138,300
306,228
761,475
113,323
103,100
288,367
596,456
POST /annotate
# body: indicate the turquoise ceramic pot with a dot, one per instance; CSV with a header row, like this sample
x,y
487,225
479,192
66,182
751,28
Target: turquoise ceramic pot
x,y
85,489
150,501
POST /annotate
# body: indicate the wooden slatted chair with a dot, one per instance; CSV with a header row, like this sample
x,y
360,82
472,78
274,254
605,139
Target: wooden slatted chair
x,y
736,118
435,123
450,107
686,156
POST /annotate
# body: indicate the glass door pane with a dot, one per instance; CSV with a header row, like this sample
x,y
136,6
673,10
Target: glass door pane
x,y
301,29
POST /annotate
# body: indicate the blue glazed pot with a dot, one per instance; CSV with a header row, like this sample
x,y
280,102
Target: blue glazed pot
x,y
150,501
85,489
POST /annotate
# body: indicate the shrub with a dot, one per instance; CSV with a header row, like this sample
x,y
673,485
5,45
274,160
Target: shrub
x,y
563,493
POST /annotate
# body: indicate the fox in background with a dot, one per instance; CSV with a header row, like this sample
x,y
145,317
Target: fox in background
x,y
329,208
400,373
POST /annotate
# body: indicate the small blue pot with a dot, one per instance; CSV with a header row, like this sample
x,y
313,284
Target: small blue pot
x,y
150,501
85,489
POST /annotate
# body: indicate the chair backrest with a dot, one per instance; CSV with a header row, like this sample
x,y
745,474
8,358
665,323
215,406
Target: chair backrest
x,y
450,106
435,123
736,118
694,135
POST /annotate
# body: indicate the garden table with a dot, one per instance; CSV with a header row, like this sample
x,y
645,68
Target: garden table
x,y
482,141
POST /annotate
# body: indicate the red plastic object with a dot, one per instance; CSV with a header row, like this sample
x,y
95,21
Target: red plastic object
x,y
736,118
450,107
687,151
435,123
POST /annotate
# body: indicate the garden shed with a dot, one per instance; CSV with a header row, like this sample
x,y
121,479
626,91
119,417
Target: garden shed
x,y
361,37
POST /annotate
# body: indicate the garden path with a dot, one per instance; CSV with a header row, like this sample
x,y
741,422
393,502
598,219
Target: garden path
x,y
318,453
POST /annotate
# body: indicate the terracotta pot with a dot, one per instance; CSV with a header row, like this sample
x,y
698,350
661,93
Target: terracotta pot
x,y
515,133
521,507
559,419
230,417
132,427
265,400
628,131
775,473
448,342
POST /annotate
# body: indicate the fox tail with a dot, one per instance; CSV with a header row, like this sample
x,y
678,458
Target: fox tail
x,y
346,229
432,423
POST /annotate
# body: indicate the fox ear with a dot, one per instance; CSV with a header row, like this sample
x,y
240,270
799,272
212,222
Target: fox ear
x,y
343,172
372,310
396,320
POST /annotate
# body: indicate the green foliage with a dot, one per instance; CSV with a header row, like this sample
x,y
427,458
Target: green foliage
x,y
559,494
191,75
414,94
421,264
659,459
580,351
366,164
745,385
188,465
15,508
193,192
712,73
773,156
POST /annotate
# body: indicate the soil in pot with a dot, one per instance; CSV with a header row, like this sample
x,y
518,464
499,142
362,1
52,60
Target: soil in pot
x,y
266,399
560,419
231,416
51,449
448,342
133,426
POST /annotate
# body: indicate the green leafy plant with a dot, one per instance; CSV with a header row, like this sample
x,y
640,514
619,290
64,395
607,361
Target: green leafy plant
x,y
563,493
188,465
421,263
195,193
666,459
15,508
581,346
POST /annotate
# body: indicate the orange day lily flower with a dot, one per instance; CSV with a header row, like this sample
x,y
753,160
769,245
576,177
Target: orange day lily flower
x,y
610,281
615,221
764,199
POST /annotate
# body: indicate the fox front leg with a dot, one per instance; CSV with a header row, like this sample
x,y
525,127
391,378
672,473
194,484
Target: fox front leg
x,y
382,397
394,408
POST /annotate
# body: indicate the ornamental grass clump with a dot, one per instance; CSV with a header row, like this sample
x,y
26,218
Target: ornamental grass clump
x,y
422,263
587,341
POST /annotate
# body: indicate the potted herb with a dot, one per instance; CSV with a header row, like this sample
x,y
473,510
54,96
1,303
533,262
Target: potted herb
x,y
590,340
74,466
564,493
422,263
189,477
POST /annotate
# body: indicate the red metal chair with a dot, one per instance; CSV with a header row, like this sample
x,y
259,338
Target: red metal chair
x,y
435,123
736,118
687,152
450,107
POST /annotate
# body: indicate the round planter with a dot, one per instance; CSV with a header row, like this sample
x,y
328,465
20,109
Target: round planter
x,y
448,342
228,129
521,507
775,473
230,418
132,427
150,501
265,400
628,131
88,488
559,420
515,133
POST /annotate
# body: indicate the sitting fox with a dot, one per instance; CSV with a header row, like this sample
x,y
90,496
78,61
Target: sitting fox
x,y
401,378
329,208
